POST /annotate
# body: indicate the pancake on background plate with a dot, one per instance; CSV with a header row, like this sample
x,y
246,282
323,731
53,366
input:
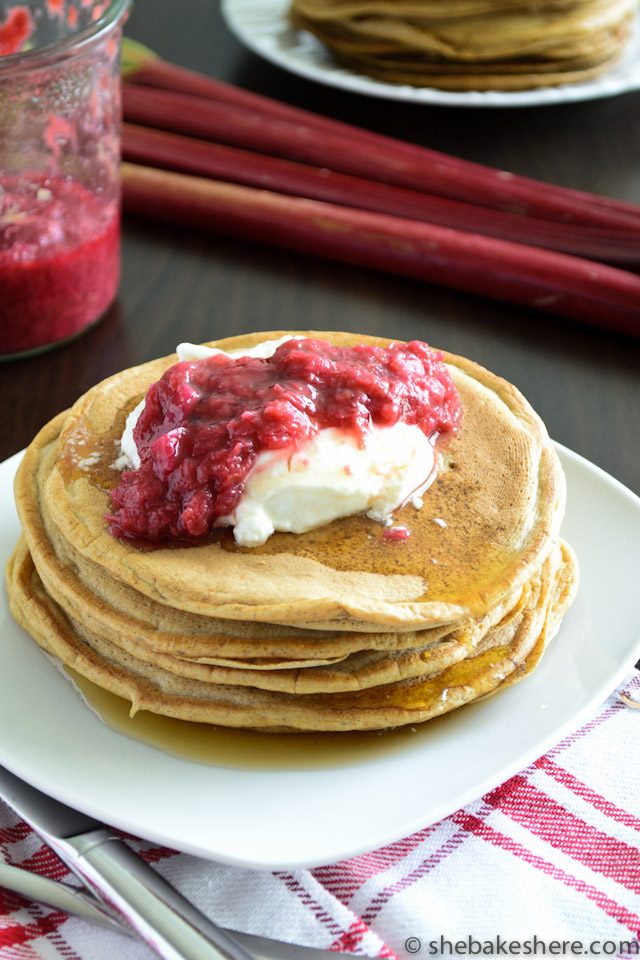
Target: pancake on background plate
x,y
337,628
471,44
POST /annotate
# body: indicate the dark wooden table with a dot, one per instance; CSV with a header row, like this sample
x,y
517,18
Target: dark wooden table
x,y
181,284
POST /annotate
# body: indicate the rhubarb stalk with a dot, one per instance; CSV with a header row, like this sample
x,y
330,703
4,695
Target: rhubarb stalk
x,y
240,127
554,282
499,189
158,148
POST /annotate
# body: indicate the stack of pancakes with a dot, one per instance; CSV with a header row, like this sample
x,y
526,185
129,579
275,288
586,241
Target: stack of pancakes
x,y
339,628
471,44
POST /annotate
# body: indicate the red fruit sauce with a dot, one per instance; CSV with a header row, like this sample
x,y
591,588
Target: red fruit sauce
x,y
206,421
396,534
59,260
15,30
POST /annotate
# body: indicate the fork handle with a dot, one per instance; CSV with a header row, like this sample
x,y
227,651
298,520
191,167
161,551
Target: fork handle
x,y
162,917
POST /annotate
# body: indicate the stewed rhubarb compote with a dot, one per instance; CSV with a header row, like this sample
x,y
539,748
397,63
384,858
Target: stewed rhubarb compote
x,y
209,425
59,259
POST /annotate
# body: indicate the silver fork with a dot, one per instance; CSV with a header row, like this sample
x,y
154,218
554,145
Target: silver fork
x,y
79,903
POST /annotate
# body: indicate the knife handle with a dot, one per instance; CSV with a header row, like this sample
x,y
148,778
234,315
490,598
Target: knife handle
x,y
169,924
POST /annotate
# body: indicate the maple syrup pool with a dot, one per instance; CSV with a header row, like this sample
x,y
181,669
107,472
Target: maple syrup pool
x,y
249,750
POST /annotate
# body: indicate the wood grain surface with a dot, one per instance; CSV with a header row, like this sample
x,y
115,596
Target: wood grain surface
x,y
180,284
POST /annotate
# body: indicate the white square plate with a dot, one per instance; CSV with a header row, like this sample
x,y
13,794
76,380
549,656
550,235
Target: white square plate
x,y
276,819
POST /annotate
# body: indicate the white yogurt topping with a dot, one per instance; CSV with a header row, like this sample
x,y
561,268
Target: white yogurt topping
x,y
332,476
195,351
130,458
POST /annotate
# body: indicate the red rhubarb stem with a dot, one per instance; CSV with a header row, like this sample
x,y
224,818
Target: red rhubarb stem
x,y
209,120
187,155
142,66
553,282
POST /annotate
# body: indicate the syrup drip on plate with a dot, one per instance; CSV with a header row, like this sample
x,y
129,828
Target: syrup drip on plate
x,y
249,750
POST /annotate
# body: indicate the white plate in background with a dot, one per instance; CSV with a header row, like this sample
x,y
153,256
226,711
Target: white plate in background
x,y
262,26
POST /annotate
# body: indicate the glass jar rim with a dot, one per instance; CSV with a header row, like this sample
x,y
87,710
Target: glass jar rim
x,y
69,46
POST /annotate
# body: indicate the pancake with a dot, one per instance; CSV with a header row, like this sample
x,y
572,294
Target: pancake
x,y
407,701
509,77
92,618
476,44
91,615
333,630
82,586
487,524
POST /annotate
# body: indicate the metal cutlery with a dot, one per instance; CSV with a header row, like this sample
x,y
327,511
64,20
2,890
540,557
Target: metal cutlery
x,y
58,895
131,891
83,905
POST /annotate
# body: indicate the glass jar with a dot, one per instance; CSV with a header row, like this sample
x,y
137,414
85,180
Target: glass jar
x,y
59,168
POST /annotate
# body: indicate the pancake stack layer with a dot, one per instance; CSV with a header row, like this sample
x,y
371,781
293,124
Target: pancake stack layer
x,y
471,44
334,629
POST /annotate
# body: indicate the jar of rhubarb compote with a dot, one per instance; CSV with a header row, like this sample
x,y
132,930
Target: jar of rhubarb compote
x,y
59,168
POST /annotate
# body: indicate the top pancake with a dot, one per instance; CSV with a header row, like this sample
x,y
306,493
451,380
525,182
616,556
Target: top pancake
x,y
498,500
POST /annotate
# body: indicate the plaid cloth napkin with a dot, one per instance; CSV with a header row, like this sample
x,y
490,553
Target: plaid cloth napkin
x,y
546,864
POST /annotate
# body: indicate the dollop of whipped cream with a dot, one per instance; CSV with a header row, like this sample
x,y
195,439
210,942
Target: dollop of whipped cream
x,y
334,475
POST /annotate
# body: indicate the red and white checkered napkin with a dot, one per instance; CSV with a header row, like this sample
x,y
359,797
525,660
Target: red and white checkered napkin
x,y
554,853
